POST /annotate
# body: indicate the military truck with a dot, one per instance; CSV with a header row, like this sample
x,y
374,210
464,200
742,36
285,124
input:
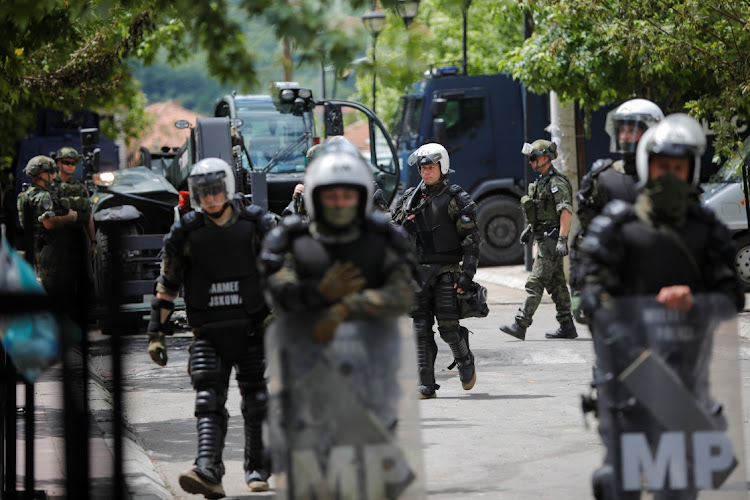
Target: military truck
x,y
278,129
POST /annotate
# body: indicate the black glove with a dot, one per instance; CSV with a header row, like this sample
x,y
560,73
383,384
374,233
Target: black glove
x,y
525,235
409,225
464,283
157,345
562,246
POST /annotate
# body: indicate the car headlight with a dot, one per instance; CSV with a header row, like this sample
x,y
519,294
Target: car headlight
x,y
104,179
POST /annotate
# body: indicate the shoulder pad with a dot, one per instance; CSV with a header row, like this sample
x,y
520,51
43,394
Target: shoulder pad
x,y
619,210
191,220
454,189
600,165
252,212
293,224
276,240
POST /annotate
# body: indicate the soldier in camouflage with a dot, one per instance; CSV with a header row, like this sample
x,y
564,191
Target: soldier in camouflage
x,y
548,209
441,220
43,217
610,180
71,189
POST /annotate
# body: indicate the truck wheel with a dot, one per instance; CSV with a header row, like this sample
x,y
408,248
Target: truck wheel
x,y
103,265
742,259
500,223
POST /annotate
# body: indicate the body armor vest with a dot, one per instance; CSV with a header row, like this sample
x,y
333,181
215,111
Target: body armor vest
x,y
617,186
544,200
224,283
436,231
655,258
313,257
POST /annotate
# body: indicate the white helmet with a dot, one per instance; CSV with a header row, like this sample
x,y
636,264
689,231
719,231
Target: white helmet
x,y
640,113
428,154
338,169
678,135
213,175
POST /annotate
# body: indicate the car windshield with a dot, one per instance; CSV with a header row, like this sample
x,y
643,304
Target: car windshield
x,y
731,170
270,135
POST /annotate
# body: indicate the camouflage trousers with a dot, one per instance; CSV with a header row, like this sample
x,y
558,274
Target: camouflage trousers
x,y
547,273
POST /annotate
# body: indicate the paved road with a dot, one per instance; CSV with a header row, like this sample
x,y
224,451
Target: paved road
x,y
519,434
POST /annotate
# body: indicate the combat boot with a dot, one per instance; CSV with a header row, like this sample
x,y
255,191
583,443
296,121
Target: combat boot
x,y
566,330
257,480
516,329
466,372
194,483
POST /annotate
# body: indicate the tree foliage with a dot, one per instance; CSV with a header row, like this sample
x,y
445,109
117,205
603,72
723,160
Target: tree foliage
x,y
435,38
686,56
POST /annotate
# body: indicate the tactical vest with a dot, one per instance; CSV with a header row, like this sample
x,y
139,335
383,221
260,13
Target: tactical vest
x,y
313,257
615,185
654,258
436,231
223,282
544,200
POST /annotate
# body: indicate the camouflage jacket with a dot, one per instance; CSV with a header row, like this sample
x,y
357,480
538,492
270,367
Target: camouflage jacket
x,y
552,193
77,195
33,204
289,292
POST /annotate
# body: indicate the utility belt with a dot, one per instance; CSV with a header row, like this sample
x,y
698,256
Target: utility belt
x,y
546,235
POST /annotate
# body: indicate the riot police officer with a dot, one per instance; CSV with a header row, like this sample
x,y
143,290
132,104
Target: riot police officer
x,y
212,253
548,209
43,217
667,246
442,221
337,283
610,180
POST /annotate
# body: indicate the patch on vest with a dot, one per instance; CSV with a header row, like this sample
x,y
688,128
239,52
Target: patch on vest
x,y
555,189
224,293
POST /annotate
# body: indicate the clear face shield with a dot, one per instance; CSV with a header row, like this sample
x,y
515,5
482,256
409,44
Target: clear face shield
x,y
424,159
629,131
208,192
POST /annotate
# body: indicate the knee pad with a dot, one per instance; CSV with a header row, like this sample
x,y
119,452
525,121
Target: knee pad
x,y
423,327
254,404
205,364
207,402
449,331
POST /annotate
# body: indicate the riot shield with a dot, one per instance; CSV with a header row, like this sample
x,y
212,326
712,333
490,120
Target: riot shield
x,y
343,417
669,400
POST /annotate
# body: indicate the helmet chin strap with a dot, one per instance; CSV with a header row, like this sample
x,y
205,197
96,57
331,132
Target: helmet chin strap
x,y
538,168
218,214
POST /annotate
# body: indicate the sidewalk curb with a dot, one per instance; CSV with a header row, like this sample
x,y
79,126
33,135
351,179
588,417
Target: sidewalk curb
x,y
142,480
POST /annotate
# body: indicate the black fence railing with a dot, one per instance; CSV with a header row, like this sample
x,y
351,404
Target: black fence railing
x,y
75,406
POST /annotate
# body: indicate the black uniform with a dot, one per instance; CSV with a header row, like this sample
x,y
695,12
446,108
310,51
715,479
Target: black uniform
x,y
608,180
225,306
626,253
447,240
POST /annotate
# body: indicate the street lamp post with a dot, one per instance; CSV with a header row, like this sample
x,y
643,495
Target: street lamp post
x,y
407,9
374,21
467,4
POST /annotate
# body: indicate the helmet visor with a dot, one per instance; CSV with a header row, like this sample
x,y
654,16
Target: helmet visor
x,y
424,159
204,185
629,131
532,152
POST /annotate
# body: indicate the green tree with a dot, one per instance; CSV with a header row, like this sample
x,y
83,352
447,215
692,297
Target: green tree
x,y
687,56
74,54
436,38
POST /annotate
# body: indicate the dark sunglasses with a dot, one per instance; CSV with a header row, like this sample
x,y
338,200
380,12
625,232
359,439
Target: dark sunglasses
x,y
210,190
69,162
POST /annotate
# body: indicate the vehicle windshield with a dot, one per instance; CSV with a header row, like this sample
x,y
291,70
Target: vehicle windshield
x,y
406,126
270,135
731,170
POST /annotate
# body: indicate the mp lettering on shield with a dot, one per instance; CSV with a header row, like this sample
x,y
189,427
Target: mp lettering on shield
x,y
712,460
224,294
369,472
